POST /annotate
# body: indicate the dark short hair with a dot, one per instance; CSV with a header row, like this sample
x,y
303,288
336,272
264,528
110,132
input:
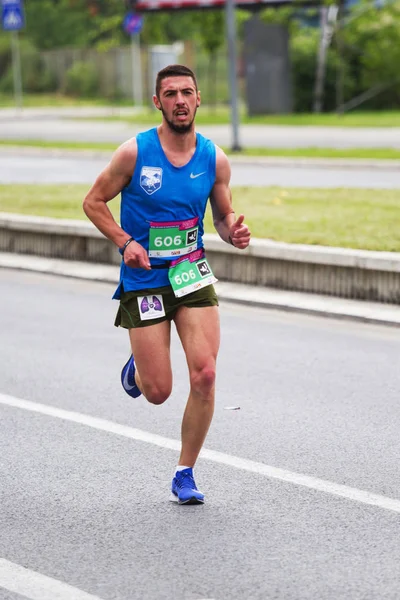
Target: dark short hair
x,y
173,71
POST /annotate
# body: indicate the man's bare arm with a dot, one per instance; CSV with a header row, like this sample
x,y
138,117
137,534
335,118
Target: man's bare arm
x,y
230,229
116,175
107,186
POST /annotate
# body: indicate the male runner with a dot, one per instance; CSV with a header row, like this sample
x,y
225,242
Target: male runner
x,y
165,177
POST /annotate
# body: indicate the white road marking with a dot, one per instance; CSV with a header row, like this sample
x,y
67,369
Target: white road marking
x,y
36,586
236,462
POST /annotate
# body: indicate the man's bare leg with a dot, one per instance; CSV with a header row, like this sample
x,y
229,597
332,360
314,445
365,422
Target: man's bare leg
x,y
199,331
151,350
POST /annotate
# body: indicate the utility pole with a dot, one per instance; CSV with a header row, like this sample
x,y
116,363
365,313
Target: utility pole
x,y
137,87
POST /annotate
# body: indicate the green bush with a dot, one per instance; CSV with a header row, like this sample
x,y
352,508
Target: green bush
x,y
36,78
304,52
82,80
5,54
372,49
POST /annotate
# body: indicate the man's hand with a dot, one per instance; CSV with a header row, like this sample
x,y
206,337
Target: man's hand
x,y
239,233
135,256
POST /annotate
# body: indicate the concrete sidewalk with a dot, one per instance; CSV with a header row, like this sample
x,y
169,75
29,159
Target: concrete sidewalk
x,y
315,304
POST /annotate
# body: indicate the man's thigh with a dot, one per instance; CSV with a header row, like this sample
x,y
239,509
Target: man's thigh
x,y
148,313
197,324
151,349
199,331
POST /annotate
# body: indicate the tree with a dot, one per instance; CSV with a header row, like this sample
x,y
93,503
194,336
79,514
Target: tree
x,y
164,28
211,33
371,39
79,23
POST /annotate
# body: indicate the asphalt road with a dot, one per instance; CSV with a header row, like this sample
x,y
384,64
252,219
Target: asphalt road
x,y
52,169
87,506
27,168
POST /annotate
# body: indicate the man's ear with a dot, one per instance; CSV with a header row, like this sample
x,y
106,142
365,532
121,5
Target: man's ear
x,y
156,102
198,99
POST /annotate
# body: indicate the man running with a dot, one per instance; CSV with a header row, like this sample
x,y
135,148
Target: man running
x,y
165,177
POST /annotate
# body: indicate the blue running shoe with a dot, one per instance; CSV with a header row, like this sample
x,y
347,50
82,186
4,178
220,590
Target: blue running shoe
x,y
184,489
128,378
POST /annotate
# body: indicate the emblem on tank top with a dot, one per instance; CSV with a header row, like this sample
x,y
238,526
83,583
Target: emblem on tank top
x,y
151,179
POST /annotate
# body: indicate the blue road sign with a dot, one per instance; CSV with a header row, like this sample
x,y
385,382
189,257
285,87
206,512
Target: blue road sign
x,y
12,15
133,23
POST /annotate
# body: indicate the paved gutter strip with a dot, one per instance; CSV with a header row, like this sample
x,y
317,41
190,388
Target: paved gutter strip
x,y
262,161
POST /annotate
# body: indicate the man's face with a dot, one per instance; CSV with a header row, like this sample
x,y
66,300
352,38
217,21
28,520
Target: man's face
x,y
178,102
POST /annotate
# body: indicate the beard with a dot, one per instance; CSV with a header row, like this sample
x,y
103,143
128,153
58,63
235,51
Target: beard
x,y
178,127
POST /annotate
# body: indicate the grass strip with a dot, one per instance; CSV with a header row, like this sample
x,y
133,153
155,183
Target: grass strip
x,y
217,115
222,116
57,101
351,218
334,153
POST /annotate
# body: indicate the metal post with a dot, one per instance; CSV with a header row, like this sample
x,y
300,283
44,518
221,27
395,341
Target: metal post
x,y
328,20
320,75
137,87
340,61
231,34
16,65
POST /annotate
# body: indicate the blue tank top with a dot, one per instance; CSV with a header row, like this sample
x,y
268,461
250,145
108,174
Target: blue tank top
x,y
159,192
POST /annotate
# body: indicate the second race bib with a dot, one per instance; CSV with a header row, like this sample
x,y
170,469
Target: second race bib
x,y
190,273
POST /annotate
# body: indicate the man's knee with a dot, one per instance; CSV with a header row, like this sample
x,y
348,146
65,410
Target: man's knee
x,y
202,380
156,394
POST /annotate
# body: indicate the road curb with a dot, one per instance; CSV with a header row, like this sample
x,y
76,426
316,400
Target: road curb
x,y
338,272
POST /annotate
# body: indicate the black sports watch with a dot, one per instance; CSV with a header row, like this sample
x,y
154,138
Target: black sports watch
x,y
122,250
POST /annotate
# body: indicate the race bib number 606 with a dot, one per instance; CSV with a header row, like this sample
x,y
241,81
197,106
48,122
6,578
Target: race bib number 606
x,y
173,238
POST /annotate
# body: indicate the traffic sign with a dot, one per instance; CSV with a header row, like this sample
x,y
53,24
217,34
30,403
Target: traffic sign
x,y
133,23
12,15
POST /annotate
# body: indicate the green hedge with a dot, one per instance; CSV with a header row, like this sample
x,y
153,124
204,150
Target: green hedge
x,y
82,80
36,78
